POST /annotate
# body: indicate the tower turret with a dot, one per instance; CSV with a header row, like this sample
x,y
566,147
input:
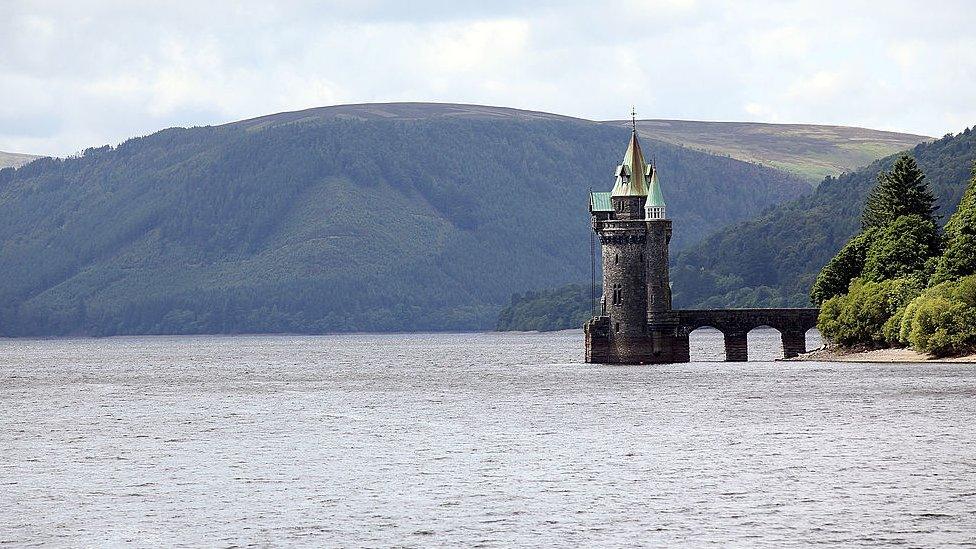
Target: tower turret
x,y
658,241
654,208
629,192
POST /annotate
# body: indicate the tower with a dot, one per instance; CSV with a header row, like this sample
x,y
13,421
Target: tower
x,y
635,323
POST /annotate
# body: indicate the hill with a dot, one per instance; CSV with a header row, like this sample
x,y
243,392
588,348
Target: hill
x,y
15,160
400,112
772,260
354,218
809,151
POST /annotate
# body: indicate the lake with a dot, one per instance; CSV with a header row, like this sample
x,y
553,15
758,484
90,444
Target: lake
x,y
493,440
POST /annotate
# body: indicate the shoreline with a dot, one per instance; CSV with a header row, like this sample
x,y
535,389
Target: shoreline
x,y
835,354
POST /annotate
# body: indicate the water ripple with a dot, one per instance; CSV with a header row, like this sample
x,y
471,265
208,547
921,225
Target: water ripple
x,y
490,440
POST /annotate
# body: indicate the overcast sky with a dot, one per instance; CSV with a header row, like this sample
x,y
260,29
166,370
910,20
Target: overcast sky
x,y
78,74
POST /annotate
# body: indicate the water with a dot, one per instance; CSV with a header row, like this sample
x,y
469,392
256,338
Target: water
x,y
473,440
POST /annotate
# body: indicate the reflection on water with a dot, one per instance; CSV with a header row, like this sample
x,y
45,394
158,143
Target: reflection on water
x,y
475,439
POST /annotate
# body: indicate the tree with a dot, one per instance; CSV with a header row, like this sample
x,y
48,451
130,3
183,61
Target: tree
x,y
942,320
837,274
859,317
959,258
865,288
902,191
903,248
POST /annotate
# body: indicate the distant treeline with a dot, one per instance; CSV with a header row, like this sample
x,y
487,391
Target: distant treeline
x,y
563,308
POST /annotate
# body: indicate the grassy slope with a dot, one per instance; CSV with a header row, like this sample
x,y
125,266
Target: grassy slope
x,y
15,160
809,151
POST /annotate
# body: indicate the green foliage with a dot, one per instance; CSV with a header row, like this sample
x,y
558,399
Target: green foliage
x,y
885,305
787,246
859,317
847,265
888,263
942,320
302,222
556,309
904,248
959,258
901,191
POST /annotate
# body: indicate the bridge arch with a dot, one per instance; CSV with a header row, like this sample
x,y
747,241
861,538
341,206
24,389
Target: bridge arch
x,y
814,339
706,344
764,342
735,325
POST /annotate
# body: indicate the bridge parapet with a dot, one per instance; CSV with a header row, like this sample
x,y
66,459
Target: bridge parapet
x,y
736,320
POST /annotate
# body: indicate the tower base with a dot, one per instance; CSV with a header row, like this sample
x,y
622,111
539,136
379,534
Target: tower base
x,y
663,344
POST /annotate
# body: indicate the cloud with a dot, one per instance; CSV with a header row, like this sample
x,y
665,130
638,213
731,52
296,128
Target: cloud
x,y
481,46
820,87
98,72
790,42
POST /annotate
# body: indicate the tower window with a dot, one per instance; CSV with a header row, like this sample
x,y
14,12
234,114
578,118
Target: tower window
x,y
655,212
617,294
616,326
616,258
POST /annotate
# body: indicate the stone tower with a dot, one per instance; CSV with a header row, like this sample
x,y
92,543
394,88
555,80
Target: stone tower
x,y
635,324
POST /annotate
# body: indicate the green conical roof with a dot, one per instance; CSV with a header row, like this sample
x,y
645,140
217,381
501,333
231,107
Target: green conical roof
x,y
654,196
631,179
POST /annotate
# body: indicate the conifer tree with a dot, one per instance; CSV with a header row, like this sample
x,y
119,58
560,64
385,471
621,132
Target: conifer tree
x,y
902,191
847,265
959,258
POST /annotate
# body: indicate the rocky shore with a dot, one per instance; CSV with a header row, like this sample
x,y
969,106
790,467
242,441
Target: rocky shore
x,y
841,354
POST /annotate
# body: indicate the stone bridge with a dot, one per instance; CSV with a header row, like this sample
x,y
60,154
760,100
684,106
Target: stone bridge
x,y
735,324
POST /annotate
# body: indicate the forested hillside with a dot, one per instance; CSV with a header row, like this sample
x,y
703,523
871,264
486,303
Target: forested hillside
x,y
313,222
772,260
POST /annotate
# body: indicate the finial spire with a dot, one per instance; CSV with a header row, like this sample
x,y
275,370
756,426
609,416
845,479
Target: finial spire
x,y
632,176
633,117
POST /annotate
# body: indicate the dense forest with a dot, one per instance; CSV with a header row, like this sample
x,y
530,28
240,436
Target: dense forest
x,y
772,261
322,224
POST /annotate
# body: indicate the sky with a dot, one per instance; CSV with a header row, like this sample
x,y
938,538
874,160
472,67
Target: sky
x,y
88,73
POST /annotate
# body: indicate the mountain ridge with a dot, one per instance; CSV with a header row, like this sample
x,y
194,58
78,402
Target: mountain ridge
x,y
301,223
16,160
818,149
810,151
